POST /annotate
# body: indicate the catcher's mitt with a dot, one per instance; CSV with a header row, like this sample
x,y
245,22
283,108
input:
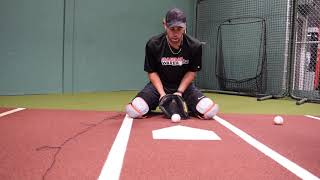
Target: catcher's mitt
x,y
173,104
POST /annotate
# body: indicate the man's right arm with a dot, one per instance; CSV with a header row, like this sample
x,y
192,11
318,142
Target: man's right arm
x,y
155,80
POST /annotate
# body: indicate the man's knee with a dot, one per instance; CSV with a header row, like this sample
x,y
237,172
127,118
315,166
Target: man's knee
x,y
207,108
137,108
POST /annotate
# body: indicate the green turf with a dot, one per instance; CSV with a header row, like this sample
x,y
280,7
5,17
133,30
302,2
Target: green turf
x,y
116,101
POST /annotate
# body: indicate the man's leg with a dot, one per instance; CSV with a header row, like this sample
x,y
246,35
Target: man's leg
x,y
147,99
200,105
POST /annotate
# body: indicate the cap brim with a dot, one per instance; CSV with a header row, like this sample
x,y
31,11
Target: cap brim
x,y
177,24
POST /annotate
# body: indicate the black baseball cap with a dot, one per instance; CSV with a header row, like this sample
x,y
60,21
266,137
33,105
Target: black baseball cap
x,y
176,17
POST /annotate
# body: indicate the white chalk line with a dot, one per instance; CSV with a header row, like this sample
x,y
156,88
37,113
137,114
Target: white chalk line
x,y
112,167
11,111
313,117
283,161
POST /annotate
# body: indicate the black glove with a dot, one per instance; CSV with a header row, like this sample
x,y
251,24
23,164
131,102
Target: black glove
x,y
173,104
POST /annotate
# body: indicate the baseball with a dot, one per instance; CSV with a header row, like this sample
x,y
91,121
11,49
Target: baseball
x,y
175,118
278,120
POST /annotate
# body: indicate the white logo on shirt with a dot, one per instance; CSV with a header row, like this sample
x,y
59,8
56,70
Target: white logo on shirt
x,y
173,61
200,97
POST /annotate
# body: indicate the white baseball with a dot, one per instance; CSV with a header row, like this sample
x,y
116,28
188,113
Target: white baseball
x,y
175,118
278,120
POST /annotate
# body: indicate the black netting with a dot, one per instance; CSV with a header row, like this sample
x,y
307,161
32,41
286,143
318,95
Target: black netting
x,y
241,55
276,14
306,55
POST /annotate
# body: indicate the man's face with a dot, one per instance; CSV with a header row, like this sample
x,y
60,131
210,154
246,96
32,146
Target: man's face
x,y
175,34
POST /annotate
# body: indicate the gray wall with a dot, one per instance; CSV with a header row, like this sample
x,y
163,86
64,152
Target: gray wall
x,y
72,46
31,39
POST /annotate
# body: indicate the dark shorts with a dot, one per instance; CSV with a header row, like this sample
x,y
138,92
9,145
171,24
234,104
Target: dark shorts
x,y
192,96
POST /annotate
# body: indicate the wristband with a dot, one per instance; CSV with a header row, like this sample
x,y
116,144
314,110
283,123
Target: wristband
x,y
179,91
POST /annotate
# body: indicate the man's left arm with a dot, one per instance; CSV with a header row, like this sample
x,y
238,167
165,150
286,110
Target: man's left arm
x,y
191,74
185,82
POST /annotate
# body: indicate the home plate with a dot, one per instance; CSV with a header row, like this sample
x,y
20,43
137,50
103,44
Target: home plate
x,y
184,133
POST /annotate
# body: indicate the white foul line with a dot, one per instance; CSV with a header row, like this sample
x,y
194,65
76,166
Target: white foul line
x,y
11,111
313,117
291,166
112,167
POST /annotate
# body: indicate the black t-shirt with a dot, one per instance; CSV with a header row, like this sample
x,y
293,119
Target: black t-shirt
x,y
171,67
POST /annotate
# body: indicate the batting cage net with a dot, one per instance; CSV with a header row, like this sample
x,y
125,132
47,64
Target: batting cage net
x,y
245,46
306,54
238,70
